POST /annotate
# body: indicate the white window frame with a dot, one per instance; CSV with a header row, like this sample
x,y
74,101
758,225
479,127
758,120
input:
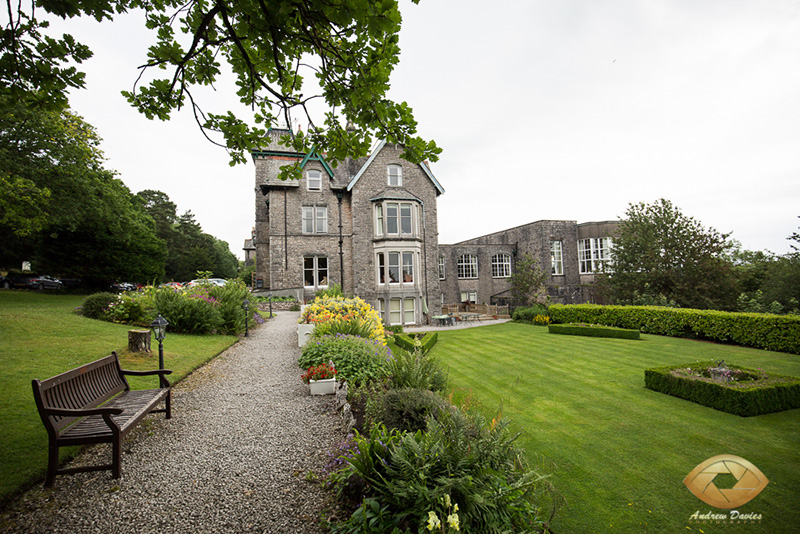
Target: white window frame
x,y
394,175
442,272
501,265
469,296
467,267
396,267
313,180
382,309
407,267
556,258
379,229
316,272
315,219
594,255
402,311
396,219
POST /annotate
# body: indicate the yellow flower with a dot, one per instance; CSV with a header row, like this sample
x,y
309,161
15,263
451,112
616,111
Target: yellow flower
x,y
433,521
452,520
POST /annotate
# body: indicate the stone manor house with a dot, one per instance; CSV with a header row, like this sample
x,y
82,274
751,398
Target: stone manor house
x,y
371,226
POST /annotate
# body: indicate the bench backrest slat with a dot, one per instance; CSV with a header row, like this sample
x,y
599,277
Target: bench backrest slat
x,y
84,387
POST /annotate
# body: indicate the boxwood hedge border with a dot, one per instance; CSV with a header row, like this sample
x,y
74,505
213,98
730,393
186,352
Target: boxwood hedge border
x,y
779,333
742,400
593,331
406,342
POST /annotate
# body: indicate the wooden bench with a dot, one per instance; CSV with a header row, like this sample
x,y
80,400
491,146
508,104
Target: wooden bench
x,y
93,403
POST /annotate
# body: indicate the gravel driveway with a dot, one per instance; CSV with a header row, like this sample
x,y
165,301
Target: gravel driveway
x,y
235,457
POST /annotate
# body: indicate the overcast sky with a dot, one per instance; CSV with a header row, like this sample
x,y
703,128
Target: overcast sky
x,y
545,110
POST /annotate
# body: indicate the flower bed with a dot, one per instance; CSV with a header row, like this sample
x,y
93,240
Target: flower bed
x,y
747,392
592,330
325,309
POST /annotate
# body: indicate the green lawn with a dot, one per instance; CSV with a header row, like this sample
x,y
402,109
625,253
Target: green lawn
x,y
622,451
41,336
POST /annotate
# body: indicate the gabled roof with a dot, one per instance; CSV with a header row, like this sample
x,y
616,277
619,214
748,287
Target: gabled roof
x,y
313,156
372,157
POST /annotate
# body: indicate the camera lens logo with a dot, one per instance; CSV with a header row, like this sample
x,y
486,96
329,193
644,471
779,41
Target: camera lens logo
x,y
749,481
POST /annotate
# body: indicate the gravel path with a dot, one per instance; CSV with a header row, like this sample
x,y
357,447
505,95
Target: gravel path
x,y
235,456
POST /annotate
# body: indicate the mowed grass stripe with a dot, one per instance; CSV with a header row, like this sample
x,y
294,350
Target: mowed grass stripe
x,y
623,450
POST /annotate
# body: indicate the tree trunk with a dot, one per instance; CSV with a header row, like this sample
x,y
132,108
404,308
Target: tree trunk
x,y
139,340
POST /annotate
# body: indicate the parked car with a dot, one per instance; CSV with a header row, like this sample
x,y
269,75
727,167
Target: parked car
x,y
5,283
123,286
37,281
212,281
173,285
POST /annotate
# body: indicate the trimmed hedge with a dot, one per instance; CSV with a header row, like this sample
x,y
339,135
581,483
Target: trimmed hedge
x,y
742,399
759,330
406,342
593,331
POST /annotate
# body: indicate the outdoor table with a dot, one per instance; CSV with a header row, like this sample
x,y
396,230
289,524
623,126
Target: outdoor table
x,y
443,320
470,316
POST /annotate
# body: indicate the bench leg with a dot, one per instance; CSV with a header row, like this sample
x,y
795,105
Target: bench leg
x,y
168,405
52,465
116,452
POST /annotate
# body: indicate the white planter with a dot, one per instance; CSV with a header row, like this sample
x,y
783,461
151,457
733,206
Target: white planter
x,y
323,387
304,333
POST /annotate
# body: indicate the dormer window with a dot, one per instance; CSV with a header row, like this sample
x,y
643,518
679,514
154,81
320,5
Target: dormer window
x,y
314,180
395,174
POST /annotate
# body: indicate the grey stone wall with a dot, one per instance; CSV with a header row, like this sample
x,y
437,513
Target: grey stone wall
x,y
533,238
372,184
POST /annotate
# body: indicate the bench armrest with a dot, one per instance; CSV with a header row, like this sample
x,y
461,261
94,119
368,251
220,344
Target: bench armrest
x,y
67,412
147,373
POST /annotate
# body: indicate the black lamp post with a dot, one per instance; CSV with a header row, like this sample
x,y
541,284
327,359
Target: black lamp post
x,y
270,304
159,326
246,306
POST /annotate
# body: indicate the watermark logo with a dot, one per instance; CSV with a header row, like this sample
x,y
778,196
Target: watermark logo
x,y
749,481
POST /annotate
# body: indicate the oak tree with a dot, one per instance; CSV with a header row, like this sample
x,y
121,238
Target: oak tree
x,y
285,55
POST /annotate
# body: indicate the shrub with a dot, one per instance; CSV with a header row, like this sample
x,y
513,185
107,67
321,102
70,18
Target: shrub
x,y
456,460
528,314
230,298
95,305
126,309
424,343
357,360
593,331
414,369
395,328
324,309
408,409
188,312
772,332
772,393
